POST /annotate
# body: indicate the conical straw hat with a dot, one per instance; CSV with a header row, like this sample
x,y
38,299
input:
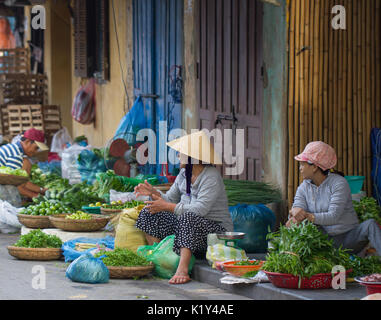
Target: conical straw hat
x,y
197,146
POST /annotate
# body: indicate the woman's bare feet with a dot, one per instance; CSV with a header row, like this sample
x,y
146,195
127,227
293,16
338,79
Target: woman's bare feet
x,y
180,278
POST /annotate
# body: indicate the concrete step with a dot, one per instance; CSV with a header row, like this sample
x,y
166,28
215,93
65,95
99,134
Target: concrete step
x,y
202,272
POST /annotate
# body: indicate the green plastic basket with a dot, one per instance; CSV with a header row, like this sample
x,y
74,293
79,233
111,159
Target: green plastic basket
x,y
92,210
355,183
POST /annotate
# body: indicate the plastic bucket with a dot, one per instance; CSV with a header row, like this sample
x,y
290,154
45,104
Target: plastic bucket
x,y
355,183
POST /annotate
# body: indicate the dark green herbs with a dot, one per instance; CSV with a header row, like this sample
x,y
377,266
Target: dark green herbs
x,y
247,263
303,250
365,266
367,208
122,258
38,239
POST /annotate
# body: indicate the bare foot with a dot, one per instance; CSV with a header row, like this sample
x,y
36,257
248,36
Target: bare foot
x,y
180,278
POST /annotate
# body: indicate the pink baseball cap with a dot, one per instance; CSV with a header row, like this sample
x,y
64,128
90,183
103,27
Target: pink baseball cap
x,y
38,137
320,154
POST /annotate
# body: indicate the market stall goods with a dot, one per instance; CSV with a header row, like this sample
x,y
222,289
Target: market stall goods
x,y
304,253
13,177
124,264
97,222
243,268
36,245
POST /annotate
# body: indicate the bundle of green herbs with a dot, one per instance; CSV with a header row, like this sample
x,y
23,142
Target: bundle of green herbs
x,y
251,192
303,250
38,239
122,258
367,208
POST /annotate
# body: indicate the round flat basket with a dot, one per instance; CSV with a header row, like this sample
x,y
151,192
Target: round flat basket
x,y
35,222
13,180
96,223
129,272
37,254
110,211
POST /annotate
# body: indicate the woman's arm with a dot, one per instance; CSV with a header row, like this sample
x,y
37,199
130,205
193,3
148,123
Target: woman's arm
x,y
336,208
206,198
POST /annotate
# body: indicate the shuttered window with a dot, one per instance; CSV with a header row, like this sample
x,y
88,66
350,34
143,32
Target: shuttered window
x,y
91,39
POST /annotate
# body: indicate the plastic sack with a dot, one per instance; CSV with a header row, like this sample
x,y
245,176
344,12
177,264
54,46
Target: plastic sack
x,y
52,167
255,221
127,236
83,109
9,222
69,164
132,122
71,254
164,258
89,164
87,269
60,139
126,196
11,196
220,252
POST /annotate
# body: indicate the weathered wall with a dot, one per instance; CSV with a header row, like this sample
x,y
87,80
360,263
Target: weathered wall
x,y
57,58
190,106
111,97
275,97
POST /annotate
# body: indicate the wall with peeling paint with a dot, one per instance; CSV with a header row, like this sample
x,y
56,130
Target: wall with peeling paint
x,y
275,97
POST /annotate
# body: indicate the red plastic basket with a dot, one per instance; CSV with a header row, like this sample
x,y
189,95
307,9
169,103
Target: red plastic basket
x,y
372,288
289,281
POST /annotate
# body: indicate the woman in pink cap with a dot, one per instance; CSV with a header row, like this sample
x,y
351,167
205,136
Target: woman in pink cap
x,y
325,199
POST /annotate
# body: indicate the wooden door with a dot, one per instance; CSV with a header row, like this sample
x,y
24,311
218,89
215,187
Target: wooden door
x,y
229,73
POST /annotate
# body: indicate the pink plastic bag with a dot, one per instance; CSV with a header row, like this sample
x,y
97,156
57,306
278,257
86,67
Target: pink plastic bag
x,y
83,110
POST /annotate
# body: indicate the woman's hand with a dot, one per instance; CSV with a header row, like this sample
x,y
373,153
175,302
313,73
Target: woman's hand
x,y
298,214
159,204
145,189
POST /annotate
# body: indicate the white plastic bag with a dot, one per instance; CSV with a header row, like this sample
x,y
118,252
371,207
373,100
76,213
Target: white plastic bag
x,y
60,139
69,164
126,196
9,222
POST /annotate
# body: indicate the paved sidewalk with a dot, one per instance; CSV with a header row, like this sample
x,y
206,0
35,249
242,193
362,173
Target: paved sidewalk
x,y
16,284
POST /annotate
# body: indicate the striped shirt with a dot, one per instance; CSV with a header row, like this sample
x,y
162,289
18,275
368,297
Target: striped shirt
x,y
12,155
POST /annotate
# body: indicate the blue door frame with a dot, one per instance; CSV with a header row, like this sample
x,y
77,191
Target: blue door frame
x,y
158,61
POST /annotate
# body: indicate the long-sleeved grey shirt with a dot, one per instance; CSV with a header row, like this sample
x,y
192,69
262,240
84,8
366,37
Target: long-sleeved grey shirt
x,y
330,203
208,197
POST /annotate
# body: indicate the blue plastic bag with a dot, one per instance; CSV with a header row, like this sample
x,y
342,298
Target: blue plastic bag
x,y
89,164
255,221
88,269
71,254
132,122
376,163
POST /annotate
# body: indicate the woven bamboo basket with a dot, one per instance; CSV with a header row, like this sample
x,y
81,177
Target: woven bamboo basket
x,y
38,254
35,222
9,179
129,272
96,223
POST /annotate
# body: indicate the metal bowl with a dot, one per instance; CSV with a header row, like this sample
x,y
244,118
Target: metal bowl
x,y
231,235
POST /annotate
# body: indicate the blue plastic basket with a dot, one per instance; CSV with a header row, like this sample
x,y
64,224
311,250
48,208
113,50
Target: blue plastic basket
x,y
355,183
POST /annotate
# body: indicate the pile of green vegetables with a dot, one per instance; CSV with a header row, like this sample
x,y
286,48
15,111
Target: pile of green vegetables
x,y
367,208
303,250
122,258
365,266
38,239
120,205
79,215
251,192
14,172
45,208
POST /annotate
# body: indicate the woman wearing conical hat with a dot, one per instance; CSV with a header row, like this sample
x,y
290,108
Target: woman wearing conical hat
x,y
195,206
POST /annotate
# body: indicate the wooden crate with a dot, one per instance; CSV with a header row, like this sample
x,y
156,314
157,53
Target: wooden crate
x,y
15,60
23,88
24,117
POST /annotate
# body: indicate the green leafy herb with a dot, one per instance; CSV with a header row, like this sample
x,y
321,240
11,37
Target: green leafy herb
x,y
38,239
367,208
122,258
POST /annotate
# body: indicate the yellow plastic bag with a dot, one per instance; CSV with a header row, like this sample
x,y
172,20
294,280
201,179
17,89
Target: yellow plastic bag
x,y
127,235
